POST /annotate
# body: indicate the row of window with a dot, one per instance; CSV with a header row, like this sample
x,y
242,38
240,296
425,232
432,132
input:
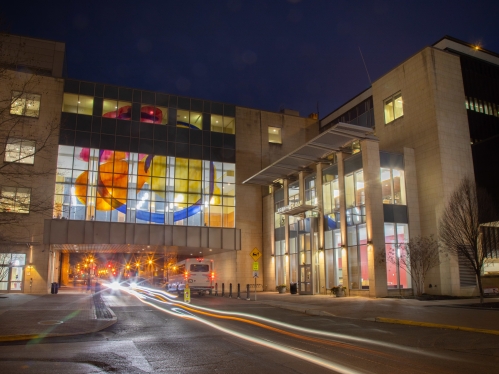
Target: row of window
x,y
123,110
480,106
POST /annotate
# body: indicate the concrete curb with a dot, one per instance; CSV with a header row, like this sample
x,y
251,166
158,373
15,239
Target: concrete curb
x,y
434,325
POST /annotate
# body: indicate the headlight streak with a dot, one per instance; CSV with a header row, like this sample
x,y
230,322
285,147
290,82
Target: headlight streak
x,y
283,349
327,334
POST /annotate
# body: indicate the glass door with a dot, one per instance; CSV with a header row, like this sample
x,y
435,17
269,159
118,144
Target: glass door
x,y
16,278
306,252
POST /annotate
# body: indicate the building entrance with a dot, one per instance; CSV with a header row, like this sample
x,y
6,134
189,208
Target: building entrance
x,y
305,231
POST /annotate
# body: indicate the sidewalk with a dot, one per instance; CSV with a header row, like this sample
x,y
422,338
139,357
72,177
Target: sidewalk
x,y
450,314
70,312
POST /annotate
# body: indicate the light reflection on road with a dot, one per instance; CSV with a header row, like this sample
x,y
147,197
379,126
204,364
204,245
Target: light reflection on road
x,y
153,297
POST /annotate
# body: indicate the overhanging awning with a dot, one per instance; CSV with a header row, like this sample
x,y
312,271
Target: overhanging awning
x,y
297,209
312,152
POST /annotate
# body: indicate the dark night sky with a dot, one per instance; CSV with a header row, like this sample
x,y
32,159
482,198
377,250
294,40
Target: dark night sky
x,y
267,54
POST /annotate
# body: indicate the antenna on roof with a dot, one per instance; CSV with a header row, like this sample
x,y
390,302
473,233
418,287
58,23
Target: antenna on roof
x,y
368,77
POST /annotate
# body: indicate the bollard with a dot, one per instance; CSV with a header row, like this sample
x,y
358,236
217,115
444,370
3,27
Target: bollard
x,y
223,289
216,289
247,292
238,291
230,290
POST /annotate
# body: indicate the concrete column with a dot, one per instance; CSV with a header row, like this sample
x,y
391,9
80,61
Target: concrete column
x,y
320,229
65,269
374,218
301,185
286,227
343,220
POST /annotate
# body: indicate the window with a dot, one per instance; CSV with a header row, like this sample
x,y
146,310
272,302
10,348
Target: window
x,y
151,114
72,103
310,192
486,107
190,120
275,135
200,268
396,235
11,271
117,109
223,124
14,199
355,199
393,107
279,219
19,150
357,257
393,186
106,185
24,104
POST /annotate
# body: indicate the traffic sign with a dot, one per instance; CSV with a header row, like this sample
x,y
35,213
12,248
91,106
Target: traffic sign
x,y
255,265
255,274
255,254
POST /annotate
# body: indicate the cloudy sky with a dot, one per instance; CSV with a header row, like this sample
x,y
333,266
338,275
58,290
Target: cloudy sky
x,y
268,54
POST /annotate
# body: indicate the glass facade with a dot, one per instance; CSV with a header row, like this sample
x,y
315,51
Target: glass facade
x,y
12,271
393,186
396,235
304,252
110,185
355,199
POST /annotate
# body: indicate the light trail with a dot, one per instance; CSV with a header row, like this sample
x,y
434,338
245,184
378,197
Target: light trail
x,y
283,349
184,310
328,334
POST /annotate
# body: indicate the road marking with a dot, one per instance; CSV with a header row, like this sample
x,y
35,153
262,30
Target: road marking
x,y
434,325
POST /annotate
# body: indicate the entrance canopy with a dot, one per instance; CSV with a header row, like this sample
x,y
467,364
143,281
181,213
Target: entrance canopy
x,y
312,152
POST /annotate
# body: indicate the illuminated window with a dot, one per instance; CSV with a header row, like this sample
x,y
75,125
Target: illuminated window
x,y
275,135
151,114
19,150
223,124
117,109
393,186
393,107
25,104
72,103
171,190
14,199
191,120
396,236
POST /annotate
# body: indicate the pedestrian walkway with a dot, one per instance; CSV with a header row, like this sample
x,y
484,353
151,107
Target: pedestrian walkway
x,y
70,312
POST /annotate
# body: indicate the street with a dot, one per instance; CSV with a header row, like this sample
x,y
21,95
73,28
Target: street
x,y
155,334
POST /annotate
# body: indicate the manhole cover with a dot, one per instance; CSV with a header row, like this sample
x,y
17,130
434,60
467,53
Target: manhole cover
x,y
50,322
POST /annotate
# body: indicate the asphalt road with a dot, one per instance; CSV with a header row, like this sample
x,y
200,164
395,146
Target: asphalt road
x,y
166,337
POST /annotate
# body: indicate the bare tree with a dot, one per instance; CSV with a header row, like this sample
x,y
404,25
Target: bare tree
x,y
24,137
467,208
417,258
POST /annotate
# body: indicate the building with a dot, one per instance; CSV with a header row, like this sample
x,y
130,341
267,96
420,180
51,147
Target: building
x,y
381,171
127,170
94,168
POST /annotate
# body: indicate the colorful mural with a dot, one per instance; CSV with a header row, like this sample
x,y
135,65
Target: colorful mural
x,y
131,187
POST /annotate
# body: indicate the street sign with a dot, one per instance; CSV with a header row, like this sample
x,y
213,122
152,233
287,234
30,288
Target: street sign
x,y
255,274
255,254
255,265
187,294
